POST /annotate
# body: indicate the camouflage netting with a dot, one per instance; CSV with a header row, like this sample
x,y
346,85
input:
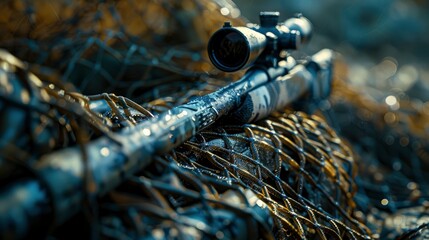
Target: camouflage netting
x,y
287,177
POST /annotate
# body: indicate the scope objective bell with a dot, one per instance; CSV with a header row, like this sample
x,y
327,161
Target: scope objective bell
x,y
233,48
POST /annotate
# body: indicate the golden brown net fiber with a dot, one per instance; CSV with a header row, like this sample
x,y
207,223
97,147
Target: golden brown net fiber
x,y
302,180
296,164
286,177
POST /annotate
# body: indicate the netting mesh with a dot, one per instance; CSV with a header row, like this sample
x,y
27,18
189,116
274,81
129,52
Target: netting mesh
x,y
287,177
294,162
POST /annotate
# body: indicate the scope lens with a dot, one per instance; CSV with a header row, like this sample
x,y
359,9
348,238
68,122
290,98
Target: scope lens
x,y
230,50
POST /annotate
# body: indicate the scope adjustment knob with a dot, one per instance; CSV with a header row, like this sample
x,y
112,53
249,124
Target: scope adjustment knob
x,y
302,25
269,19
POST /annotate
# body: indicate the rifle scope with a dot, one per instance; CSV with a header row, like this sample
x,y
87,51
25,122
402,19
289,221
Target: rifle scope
x,y
233,48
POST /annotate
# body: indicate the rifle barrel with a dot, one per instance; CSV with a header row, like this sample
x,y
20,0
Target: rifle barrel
x,y
110,161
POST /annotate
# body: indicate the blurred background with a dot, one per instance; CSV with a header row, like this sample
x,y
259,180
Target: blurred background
x,y
389,34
